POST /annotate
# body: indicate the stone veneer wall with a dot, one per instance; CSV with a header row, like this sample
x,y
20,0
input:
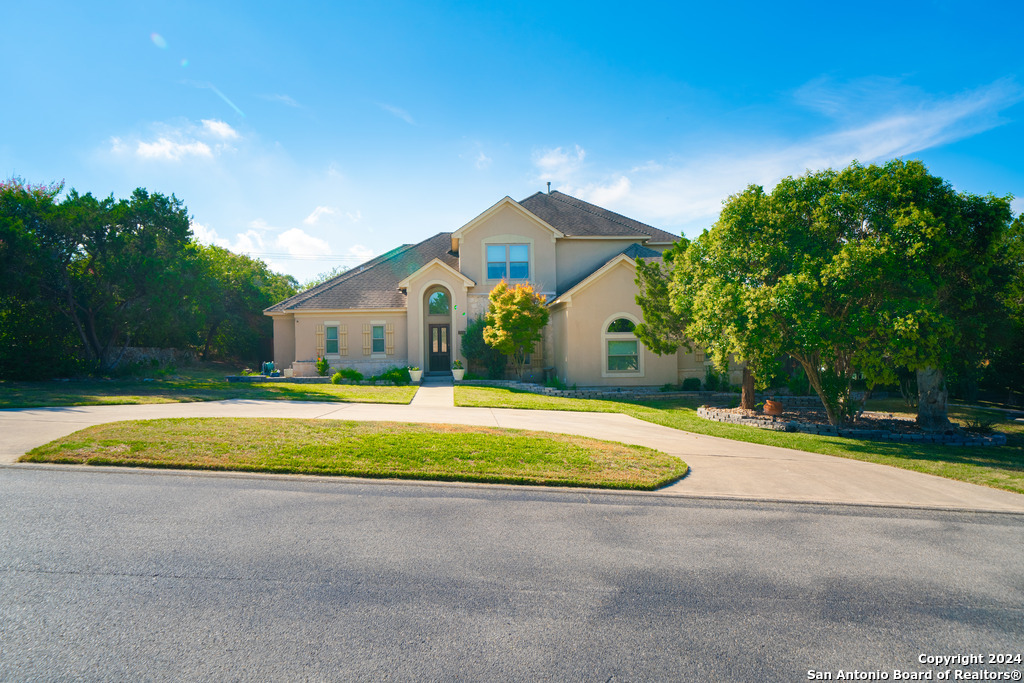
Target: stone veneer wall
x,y
780,424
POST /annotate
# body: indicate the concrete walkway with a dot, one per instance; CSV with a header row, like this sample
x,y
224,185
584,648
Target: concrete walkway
x,y
436,391
719,467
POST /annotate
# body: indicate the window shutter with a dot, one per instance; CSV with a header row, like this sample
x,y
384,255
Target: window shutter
x,y
320,340
343,340
389,339
367,342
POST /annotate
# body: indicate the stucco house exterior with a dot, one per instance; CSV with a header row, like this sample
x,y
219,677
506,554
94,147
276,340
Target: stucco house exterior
x,y
411,305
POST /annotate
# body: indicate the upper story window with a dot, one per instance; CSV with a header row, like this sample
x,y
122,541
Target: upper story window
x,y
439,304
510,261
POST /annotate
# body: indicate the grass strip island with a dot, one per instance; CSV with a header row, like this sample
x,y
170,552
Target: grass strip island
x,y
366,449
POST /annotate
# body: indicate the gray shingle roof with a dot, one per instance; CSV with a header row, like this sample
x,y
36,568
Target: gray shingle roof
x,y
374,284
577,218
633,251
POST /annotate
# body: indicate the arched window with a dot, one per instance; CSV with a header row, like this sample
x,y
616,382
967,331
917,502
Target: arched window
x,y
622,355
621,325
438,304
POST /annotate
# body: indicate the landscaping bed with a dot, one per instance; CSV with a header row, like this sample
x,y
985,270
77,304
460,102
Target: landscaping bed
x,y
869,425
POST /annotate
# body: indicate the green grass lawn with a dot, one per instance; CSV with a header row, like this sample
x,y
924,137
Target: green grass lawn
x,y
998,467
202,384
376,449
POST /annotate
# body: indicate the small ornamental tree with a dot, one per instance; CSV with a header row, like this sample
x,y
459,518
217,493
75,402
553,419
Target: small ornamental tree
x,y
515,319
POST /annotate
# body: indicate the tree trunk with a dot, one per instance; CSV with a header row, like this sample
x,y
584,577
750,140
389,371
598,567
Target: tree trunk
x,y
747,397
931,401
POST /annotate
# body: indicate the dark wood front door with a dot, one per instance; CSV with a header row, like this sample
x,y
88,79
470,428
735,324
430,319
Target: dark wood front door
x,y
440,355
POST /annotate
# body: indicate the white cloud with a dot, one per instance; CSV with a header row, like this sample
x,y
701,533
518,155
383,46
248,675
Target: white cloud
x,y
314,218
558,164
300,244
175,143
219,129
483,161
171,150
354,216
359,254
399,112
690,192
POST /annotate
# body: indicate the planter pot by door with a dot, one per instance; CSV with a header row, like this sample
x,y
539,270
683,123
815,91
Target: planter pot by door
x,y
458,374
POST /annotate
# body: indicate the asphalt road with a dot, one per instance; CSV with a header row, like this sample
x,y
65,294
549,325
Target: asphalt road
x,y
128,575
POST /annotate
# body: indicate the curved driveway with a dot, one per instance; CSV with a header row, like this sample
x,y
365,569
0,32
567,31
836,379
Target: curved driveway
x,y
718,467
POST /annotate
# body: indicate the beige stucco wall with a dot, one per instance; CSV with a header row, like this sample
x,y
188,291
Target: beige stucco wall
x,y
305,327
508,226
284,340
580,344
577,258
416,334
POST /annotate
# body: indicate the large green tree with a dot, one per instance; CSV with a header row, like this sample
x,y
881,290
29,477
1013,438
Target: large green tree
x,y
516,317
853,271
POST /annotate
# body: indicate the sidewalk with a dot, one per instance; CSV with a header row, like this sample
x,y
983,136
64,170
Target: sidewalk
x,y
718,467
436,391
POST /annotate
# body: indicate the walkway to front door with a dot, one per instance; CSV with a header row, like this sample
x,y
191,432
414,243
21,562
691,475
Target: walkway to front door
x,y
440,359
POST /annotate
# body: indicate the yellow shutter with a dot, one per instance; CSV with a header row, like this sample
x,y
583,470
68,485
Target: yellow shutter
x,y
343,340
389,339
367,340
320,340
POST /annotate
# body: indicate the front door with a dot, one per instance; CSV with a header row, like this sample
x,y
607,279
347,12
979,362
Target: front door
x,y
440,356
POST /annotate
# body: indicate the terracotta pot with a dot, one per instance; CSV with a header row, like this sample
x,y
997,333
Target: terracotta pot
x,y
772,407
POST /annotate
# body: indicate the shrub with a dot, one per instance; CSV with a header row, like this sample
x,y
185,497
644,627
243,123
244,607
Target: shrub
x,y
555,383
322,366
691,384
712,382
482,357
397,375
798,383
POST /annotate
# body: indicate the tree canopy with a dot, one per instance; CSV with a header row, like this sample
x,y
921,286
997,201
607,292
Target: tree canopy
x,y
858,271
85,277
516,316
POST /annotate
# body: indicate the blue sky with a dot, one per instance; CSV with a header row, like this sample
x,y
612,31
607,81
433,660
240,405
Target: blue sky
x,y
319,134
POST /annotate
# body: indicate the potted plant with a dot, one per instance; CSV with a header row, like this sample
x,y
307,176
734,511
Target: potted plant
x,y
772,406
415,374
458,371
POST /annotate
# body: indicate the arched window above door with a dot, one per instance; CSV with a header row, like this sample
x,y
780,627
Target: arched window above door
x,y
439,304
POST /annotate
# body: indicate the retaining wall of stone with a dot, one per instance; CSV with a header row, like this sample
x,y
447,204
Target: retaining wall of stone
x,y
780,424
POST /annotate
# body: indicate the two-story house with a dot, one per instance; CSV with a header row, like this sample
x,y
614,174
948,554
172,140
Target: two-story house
x,y
410,305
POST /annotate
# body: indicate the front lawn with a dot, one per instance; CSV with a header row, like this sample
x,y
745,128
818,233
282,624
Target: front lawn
x,y
998,467
190,386
366,449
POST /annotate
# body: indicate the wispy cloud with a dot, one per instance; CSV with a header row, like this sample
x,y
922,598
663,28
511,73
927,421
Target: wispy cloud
x,y
177,143
169,150
398,112
283,99
219,129
558,164
685,193
314,218
483,161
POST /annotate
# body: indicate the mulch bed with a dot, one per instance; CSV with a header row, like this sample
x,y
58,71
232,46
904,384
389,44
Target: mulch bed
x,y
867,420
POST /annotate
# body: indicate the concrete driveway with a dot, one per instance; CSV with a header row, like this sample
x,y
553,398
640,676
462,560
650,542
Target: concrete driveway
x,y
719,467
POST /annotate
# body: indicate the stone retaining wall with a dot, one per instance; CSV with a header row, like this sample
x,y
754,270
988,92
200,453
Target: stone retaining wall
x,y
781,424
304,380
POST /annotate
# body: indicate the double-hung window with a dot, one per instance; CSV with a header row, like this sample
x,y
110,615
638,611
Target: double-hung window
x,y
378,339
511,261
330,339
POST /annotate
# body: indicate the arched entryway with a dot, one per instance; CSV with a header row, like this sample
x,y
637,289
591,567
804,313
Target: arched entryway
x,y
438,309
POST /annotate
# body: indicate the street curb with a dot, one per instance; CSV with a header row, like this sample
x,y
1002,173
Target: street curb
x,y
659,496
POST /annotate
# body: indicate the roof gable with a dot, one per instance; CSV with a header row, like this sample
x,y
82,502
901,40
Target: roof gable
x,y
437,263
501,204
577,218
630,255
375,283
